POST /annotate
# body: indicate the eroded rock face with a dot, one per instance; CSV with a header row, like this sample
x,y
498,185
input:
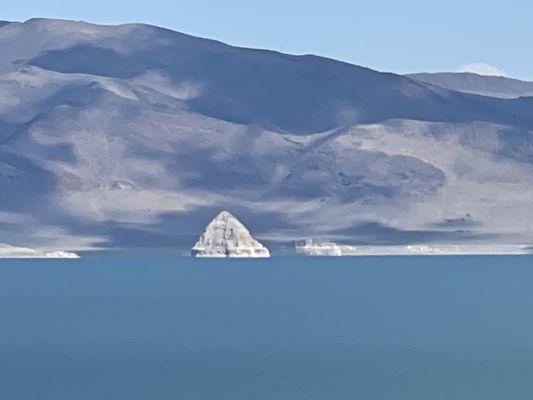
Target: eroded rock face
x,y
226,236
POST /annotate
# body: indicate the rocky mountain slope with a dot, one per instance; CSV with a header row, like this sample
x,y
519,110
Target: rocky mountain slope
x,y
133,136
496,86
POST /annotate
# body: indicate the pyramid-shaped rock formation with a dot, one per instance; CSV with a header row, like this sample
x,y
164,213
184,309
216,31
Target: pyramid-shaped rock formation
x,y
226,236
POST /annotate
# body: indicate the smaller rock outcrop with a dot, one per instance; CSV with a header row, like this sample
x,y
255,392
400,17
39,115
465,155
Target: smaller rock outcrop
x,y
226,236
314,247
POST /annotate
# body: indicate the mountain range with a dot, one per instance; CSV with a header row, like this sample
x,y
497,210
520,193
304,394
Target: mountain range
x,y
134,136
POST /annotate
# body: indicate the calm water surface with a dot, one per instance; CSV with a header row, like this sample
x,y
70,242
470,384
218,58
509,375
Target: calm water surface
x,y
367,328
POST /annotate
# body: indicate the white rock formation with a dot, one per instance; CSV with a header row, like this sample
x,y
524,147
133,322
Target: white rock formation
x,y
225,236
314,247
61,254
9,251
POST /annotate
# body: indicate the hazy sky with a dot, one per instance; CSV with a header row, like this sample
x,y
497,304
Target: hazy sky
x,y
400,36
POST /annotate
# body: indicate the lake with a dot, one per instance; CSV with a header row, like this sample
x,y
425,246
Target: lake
x,y
413,327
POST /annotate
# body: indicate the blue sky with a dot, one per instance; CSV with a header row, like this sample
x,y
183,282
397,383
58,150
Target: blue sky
x,y
399,36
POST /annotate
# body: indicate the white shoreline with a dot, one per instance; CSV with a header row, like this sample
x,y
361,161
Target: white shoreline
x,y
14,252
313,248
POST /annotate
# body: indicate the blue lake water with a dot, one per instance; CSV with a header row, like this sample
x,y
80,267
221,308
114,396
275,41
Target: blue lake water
x,y
285,328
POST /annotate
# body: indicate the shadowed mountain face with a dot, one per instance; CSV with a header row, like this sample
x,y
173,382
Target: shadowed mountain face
x,y
496,86
132,135
298,94
286,93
